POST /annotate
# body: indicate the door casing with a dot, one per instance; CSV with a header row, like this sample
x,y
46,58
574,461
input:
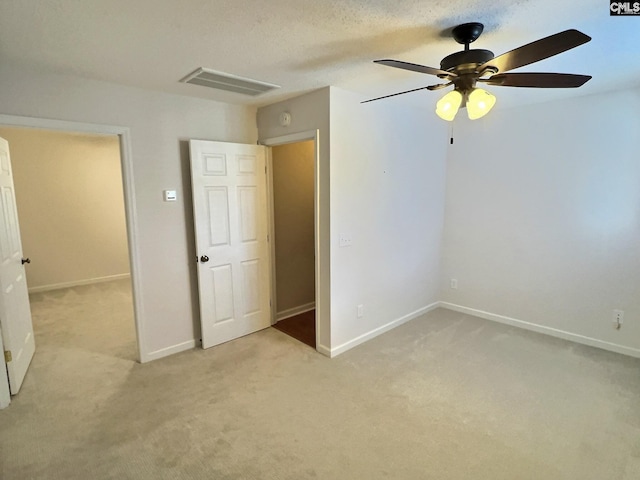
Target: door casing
x,y
124,136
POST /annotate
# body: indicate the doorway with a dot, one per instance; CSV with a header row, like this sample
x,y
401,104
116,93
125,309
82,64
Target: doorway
x,y
136,350
292,196
71,211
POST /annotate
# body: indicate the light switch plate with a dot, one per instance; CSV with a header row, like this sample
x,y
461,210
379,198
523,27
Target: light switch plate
x,y
170,196
345,240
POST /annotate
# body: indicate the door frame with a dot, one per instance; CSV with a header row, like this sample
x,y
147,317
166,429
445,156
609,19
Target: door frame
x,y
126,165
284,140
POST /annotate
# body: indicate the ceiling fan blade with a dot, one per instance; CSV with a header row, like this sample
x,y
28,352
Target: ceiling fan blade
x,y
394,94
538,50
415,67
537,80
438,86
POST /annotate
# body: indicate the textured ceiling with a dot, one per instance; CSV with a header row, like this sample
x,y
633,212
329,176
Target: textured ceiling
x,y
306,44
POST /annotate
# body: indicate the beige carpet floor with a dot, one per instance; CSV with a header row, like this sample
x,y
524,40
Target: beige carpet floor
x,y
446,396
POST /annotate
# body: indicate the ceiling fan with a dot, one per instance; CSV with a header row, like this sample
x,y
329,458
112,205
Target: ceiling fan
x,y
466,68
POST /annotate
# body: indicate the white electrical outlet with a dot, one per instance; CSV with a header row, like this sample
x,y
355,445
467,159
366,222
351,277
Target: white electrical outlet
x,y
360,311
454,283
618,318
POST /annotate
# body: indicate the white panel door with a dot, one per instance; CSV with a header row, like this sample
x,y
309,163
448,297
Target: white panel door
x,y
15,313
230,213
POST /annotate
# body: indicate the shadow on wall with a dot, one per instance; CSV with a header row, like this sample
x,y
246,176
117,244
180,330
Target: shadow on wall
x,y
185,168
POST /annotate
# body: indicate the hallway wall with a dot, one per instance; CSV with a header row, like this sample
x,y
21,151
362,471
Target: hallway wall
x,y
293,201
158,126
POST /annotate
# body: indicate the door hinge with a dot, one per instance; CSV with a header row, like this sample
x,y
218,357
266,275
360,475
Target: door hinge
x,y
7,356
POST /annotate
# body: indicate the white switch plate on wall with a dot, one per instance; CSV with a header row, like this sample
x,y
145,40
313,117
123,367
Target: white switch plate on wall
x,y
170,196
345,240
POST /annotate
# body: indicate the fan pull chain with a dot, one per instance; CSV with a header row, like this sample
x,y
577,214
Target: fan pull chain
x,y
451,134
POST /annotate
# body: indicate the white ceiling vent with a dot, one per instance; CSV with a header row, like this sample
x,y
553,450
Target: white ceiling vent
x,y
225,81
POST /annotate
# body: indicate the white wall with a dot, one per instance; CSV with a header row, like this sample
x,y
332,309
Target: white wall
x,y
160,125
386,168
543,217
387,194
70,206
542,204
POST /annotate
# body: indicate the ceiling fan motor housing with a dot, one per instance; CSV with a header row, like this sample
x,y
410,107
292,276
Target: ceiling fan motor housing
x,y
465,61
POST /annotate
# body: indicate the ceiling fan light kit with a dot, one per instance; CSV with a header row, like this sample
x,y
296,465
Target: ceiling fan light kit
x,y
448,106
480,102
466,68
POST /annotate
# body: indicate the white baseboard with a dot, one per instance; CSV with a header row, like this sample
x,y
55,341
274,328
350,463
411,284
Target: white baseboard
x,y
326,351
165,352
554,332
292,312
380,330
77,283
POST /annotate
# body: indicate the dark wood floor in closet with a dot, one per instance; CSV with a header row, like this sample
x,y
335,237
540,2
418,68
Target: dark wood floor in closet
x,y
301,327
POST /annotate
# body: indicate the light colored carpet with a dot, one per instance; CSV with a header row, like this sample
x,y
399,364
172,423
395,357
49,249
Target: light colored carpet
x,y
446,396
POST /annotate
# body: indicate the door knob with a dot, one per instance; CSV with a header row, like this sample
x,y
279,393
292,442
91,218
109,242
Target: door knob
x,y
26,260
204,259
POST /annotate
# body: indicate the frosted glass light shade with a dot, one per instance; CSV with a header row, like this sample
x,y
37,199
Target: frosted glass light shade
x,y
479,103
448,106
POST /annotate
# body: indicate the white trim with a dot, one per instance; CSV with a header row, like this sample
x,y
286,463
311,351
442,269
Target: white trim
x,y
272,236
126,159
51,124
326,351
77,283
554,332
283,140
292,312
380,330
165,352
321,317
291,138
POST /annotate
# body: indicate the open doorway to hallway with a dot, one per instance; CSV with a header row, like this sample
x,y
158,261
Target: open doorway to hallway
x,y
293,228
70,201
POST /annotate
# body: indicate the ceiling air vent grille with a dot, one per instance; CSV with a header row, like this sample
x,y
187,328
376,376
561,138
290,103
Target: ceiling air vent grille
x,y
225,81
